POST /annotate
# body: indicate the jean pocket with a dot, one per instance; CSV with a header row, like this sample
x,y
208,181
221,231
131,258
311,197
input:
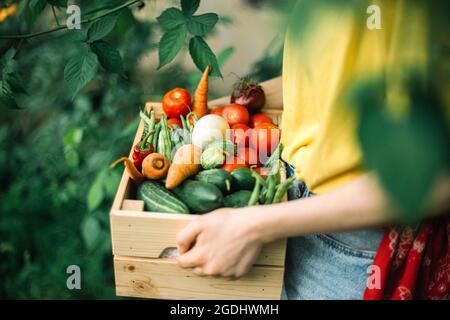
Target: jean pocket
x,y
344,248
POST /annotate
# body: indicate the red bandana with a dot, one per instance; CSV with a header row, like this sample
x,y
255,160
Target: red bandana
x,y
413,263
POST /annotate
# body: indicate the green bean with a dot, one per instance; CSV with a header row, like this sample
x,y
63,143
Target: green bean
x,y
183,122
271,188
149,128
156,136
256,189
257,176
164,143
262,194
255,194
281,190
275,157
161,145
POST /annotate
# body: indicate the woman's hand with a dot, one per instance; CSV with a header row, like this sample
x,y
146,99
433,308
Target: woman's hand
x,y
224,242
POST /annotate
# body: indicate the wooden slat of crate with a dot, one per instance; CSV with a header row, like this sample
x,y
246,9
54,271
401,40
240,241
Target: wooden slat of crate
x,y
163,279
148,234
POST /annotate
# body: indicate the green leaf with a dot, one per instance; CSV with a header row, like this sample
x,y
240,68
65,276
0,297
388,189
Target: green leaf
x,y
35,8
90,231
15,82
108,56
189,7
72,35
58,3
8,63
171,18
203,56
6,97
102,27
408,153
124,23
72,157
111,182
202,24
222,57
73,137
9,55
80,70
96,193
170,44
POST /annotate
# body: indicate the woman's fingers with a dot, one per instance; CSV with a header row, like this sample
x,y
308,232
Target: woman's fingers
x,y
192,258
199,271
186,237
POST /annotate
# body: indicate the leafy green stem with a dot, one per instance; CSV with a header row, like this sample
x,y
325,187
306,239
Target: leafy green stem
x,y
62,27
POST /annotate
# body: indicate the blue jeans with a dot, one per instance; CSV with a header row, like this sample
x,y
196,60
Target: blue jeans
x,y
328,266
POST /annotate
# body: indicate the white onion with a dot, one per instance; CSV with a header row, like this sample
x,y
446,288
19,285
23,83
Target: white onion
x,y
208,129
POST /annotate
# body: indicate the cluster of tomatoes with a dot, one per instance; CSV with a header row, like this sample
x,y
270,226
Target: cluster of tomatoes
x,y
255,135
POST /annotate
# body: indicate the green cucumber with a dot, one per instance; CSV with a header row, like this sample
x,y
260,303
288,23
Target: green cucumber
x,y
159,199
218,177
242,179
238,199
199,196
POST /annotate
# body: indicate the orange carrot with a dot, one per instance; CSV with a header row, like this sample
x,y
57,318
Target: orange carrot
x,y
133,172
185,164
200,104
155,166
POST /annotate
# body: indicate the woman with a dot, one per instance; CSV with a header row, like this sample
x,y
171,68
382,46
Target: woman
x,y
335,233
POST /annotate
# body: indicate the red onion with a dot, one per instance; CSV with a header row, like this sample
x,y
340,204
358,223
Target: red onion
x,y
249,94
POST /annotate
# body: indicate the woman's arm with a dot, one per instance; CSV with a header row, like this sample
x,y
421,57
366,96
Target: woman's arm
x,y
228,241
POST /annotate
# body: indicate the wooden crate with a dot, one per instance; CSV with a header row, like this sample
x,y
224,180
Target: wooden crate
x,y
140,238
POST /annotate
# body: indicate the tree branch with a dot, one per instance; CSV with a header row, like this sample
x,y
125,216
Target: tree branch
x,y
55,16
41,33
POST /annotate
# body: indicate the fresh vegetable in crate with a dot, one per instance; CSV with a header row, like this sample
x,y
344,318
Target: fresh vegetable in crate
x,y
199,196
155,166
158,199
248,93
216,153
235,114
176,103
208,129
164,142
200,104
186,163
145,146
218,177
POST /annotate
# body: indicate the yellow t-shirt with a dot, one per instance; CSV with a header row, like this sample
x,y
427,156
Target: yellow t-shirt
x,y
318,128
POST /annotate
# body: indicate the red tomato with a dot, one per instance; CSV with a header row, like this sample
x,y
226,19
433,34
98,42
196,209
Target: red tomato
x,y
265,137
235,113
176,121
257,119
233,163
248,155
218,111
176,102
263,172
240,135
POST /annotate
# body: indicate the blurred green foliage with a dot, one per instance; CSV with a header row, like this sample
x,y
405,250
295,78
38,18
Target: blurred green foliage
x,y
56,190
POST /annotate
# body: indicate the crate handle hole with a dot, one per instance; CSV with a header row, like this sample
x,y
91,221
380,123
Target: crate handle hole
x,y
169,252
